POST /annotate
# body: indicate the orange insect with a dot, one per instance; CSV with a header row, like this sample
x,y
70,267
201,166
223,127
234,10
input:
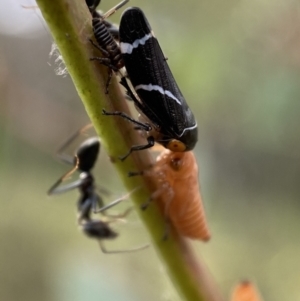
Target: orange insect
x,y
245,291
177,178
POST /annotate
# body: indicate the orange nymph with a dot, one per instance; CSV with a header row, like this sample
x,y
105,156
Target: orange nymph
x,y
177,177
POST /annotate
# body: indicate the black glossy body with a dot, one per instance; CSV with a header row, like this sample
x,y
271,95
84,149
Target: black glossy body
x,y
160,98
89,201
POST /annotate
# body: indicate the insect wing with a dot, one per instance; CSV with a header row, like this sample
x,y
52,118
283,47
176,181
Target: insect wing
x,y
151,76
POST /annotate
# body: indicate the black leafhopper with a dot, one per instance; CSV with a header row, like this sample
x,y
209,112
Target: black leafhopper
x,y
165,114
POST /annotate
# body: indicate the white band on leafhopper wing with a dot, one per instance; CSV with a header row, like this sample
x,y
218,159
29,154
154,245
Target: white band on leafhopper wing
x,y
127,48
151,87
188,129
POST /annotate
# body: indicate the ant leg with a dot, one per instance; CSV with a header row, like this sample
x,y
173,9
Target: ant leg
x,y
54,190
145,205
118,216
105,251
114,203
96,202
58,190
68,159
99,207
154,196
114,9
103,190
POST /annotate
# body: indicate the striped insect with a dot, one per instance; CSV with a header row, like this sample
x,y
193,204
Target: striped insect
x,y
178,194
165,114
112,28
90,201
106,35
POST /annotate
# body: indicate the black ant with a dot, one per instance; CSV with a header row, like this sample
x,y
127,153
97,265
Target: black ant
x,y
90,202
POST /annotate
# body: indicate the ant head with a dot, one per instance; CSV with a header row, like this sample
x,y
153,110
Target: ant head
x,y
87,154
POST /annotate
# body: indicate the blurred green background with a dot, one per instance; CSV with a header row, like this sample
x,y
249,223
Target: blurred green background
x,y
238,65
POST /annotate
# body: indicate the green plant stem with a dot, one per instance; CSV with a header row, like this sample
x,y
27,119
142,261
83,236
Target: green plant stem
x,y
70,24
